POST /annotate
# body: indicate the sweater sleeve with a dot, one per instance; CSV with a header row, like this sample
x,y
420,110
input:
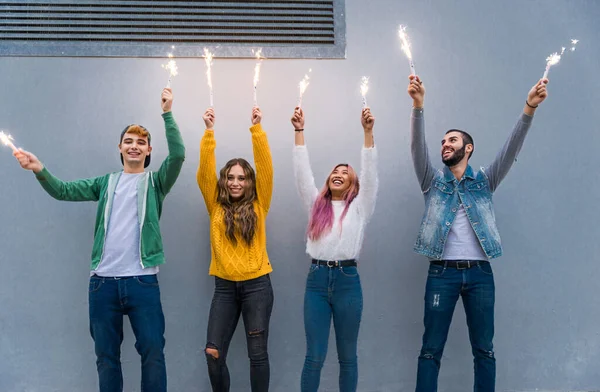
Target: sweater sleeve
x,y
171,166
207,170
369,182
264,166
79,190
305,182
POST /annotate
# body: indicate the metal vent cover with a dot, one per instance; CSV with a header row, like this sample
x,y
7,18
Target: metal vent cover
x,y
138,28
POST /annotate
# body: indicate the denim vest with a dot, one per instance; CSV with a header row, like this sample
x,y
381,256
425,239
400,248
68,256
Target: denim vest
x,y
442,201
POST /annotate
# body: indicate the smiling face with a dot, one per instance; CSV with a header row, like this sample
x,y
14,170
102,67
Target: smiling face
x,y
454,149
339,181
236,182
134,149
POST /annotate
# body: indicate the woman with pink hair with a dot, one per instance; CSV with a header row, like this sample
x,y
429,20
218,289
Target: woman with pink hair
x,y
338,215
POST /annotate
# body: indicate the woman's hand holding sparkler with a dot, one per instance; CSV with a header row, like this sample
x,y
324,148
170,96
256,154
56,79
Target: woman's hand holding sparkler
x,y
166,99
367,120
256,115
209,118
416,90
298,119
28,161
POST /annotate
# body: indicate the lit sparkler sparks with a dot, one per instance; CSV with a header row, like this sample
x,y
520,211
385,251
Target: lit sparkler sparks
x,y
555,57
258,55
364,87
406,48
302,87
208,57
6,139
170,66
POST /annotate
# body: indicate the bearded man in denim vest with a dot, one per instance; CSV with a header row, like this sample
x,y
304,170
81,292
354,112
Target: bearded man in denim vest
x,y
459,236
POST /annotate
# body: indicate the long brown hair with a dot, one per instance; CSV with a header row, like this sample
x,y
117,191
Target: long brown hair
x,y
239,215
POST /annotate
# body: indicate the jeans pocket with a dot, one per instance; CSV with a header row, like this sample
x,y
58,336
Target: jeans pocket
x,y
436,270
95,284
349,272
313,268
486,268
147,280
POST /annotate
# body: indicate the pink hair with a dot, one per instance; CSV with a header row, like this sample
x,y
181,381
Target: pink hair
x,y
321,216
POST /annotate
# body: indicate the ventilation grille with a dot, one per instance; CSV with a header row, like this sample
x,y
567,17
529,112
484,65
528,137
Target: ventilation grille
x,y
91,26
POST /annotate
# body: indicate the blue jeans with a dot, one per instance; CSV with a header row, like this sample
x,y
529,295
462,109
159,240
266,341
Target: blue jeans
x,y
253,299
476,287
139,298
331,292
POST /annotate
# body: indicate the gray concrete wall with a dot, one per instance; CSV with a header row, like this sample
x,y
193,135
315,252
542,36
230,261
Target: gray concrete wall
x,y
478,60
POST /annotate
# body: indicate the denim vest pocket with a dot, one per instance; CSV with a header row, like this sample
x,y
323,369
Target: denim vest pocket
x,y
443,187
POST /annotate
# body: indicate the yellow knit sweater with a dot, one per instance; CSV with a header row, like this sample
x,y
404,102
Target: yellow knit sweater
x,y
238,261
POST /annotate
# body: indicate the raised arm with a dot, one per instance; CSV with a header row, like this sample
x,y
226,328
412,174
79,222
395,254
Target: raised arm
x,y
80,190
171,166
369,182
418,146
499,168
207,168
262,160
305,181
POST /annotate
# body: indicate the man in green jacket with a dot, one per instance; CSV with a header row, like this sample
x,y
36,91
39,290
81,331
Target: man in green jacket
x,y
127,249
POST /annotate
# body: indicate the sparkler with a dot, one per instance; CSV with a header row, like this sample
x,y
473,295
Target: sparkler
x,y
302,87
406,48
208,57
170,66
6,139
257,54
555,57
364,87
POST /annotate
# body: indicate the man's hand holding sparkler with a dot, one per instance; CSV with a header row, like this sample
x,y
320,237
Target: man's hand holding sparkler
x,y
416,90
28,161
537,95
166,99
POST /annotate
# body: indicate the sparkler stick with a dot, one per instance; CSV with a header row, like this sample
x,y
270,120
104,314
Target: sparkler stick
x,y
302,87
257,72
208,57
364,87
170,66
406,48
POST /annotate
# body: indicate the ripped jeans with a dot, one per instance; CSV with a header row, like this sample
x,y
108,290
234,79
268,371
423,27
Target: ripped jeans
x,y
476,287
253,299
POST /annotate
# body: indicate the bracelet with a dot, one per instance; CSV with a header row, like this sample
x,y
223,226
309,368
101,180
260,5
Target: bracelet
x,y
533,107
299,130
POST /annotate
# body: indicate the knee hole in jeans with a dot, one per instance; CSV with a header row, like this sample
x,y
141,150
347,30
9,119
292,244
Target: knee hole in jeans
x,y
213,352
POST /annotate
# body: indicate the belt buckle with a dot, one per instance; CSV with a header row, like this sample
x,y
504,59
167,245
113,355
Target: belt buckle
x,y
468,265
332,263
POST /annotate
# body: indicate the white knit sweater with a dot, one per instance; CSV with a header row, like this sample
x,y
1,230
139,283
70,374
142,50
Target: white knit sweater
x,y
343,241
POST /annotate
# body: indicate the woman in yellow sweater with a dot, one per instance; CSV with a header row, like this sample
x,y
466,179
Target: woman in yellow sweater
x,y
238,203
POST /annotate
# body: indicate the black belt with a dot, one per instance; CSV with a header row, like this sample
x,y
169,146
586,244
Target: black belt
x,y
335,263
458,264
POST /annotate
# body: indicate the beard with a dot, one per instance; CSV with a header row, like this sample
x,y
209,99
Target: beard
x,y
456,157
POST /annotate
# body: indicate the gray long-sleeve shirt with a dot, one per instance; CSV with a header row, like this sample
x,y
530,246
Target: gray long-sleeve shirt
x,y
495,172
